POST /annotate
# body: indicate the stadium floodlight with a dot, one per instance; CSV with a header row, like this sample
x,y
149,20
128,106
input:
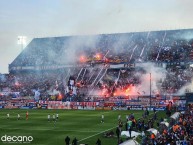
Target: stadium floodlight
x,y
21,41
191,65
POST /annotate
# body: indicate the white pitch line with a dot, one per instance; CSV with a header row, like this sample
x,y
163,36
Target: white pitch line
x,y
95,134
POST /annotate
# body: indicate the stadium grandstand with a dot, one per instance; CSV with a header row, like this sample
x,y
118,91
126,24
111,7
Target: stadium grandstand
x,y
105,62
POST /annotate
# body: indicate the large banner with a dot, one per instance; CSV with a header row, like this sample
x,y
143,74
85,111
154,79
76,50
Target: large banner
x,y
68,105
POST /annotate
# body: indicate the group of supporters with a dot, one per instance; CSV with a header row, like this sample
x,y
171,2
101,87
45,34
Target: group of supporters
x,y
178,132
53,85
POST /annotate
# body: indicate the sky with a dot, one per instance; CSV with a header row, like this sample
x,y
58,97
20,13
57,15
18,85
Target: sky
x,y
50,18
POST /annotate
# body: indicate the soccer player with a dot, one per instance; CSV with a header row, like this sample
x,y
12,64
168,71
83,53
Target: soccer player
x,y
7,115
54,118
49,117
18,116
57,116
27,115
102,118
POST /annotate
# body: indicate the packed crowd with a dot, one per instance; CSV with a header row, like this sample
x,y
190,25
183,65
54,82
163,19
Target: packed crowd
x,y
177,78
155,131
93,81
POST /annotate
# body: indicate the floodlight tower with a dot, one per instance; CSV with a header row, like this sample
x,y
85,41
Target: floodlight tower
x,y
22,41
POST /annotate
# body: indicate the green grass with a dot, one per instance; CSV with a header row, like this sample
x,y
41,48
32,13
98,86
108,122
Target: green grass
x,y
82,124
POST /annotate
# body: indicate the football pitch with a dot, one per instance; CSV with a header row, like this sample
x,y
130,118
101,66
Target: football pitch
x,y
85,125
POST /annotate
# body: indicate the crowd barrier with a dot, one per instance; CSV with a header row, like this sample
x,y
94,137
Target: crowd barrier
x,y
31,104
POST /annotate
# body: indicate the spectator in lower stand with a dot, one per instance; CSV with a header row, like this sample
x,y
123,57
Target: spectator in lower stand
x,y
144,140
155,116
129,127
121,141
147,111
149,123
161,119
142,124
98,142
146,127
75,141
132,116
67,140
120,125
126,125
144,115
118,133
153,138
154,109
139,125
133,123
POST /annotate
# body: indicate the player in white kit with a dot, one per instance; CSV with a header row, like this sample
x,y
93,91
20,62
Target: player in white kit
x,y
54,117
18,117
102,118
7,115
49,117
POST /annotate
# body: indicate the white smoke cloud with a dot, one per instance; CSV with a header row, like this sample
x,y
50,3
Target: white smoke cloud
x,y
157,74
185,88
76,46
188,87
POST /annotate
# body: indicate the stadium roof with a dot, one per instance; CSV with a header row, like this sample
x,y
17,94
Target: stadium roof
x,y
64,50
